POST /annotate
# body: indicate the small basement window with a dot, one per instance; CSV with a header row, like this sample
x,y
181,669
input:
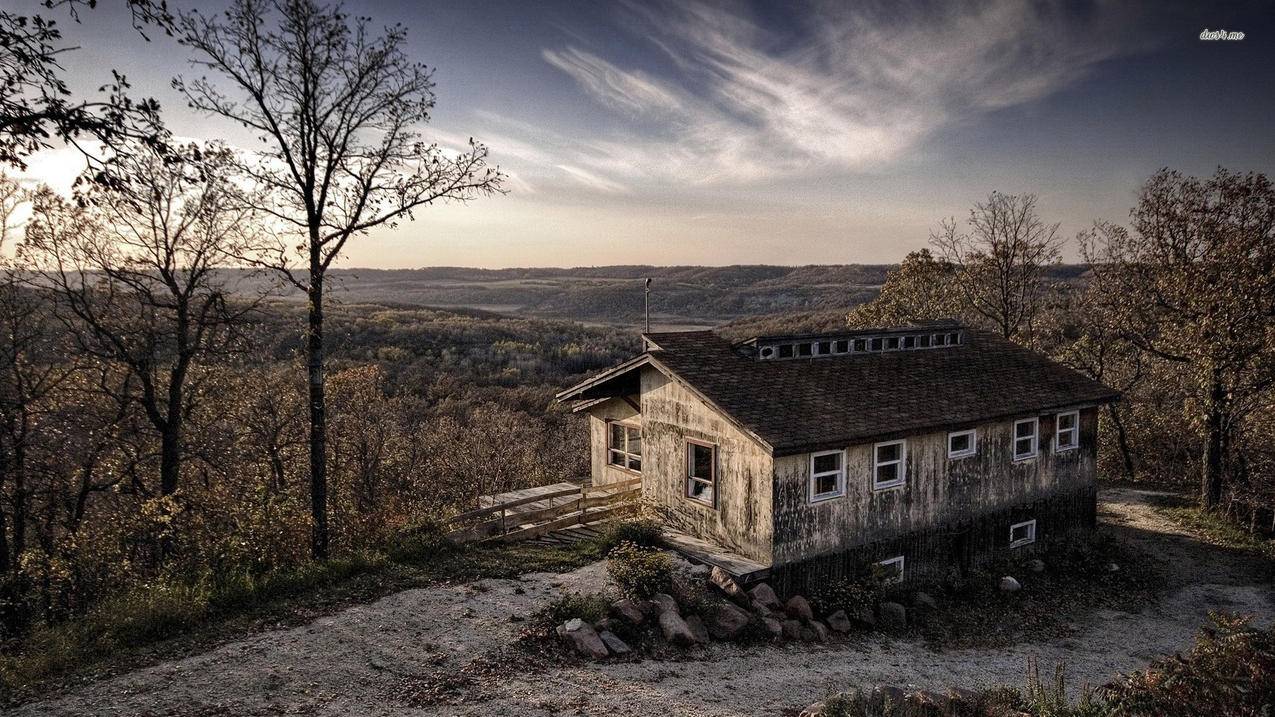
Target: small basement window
x,y
827,475
860,344
843,347
889,467
1067,431
892,343
804,349
701,472
1026,438
1021,534
785,351
625,446
962,444
890,570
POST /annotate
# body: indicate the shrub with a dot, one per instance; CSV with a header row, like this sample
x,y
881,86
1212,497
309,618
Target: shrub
x,y
849,594
639,571
588,607
639,531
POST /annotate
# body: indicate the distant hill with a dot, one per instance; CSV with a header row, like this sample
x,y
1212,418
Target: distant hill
x,y
681,296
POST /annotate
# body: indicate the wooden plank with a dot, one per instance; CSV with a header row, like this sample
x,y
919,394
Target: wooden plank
x,y
563,522
698,550
609,499
480,512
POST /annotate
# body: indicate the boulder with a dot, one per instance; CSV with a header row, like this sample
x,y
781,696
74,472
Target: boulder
x,y
725,620
807,635
760,609
893,616
581,635
675,629
888,696
726,583
930,702
698,628
964,697
863,617
613,643
819,629
1010,585
762,593
924,601
792,629
605,623
774,628
628,611
1113,568
839,622
814,710
1036,565
666,603
797,607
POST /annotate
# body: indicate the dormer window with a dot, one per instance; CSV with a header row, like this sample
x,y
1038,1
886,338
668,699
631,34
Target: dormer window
x,y
790,347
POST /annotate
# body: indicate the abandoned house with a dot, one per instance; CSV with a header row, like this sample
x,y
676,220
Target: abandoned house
x,y
920,449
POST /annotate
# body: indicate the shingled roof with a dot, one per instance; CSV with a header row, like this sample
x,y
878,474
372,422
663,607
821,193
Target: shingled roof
x,y
810,404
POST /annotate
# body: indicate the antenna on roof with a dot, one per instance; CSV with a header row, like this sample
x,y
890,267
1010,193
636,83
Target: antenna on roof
x,y
648,304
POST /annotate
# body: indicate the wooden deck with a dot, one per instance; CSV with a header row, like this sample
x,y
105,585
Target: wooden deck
x,y
531,513
698,550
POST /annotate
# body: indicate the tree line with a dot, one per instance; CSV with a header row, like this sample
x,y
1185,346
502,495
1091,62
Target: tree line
x,y
1176,311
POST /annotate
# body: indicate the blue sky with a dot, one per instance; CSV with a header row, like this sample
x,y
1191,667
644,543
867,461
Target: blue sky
x,y
786,132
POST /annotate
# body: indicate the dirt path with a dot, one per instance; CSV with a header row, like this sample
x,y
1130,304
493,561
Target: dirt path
x,y
352,663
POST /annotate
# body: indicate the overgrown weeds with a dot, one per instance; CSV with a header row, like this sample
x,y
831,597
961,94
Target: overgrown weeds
x,y
639,571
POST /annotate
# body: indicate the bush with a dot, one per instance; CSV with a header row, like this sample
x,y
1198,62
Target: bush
x,y
849,594
639,531
639,571
590,608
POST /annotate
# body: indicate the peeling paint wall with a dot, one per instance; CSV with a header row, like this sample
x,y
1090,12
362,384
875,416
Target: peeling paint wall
x,y
742,519
937,492
616,409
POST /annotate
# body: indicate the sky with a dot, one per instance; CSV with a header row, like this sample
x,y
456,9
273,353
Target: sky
x,y
782,132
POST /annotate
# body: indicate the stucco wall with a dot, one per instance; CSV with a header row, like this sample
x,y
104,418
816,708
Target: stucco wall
x,y
741,520
937,491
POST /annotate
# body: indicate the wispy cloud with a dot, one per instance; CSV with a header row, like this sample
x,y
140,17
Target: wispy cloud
x,y
852,89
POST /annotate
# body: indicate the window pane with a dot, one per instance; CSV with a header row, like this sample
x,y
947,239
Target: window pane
x,y
699,490
843,346
826,484
635,464
887,473
959,443
876,344
803,349
860,344
1066,420
825,348
925,341
635,441
785,351
617,458
830,462
1024,429
701,462
888,452
617,436
892,342
1023,446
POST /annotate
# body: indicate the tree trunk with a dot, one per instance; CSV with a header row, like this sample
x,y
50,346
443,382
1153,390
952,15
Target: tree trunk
x,y
1214,447
1122,441
318,411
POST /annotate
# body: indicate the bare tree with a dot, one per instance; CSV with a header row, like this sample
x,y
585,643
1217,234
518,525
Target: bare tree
x,y
134,274
1192,283
337,106
1000,260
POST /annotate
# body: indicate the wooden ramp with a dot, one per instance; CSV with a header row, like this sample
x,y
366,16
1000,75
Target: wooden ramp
x,y
531,513
697,550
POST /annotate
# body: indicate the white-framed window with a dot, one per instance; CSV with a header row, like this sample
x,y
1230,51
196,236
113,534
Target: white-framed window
x,y
701,472
1023,533
891,569
624,446
1066,431
962,444
889,464
827,475
1026,438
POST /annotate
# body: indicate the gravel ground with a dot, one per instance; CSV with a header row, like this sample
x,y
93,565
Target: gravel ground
x,y
354,662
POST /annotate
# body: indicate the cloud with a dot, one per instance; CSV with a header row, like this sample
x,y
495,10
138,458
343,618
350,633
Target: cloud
x,y
851,88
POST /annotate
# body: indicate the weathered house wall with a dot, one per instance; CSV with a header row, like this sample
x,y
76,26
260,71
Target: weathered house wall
x,y
616,409
742,520
963,499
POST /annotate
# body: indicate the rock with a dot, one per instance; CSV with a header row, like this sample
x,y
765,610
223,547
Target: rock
x,y
613,643
628,611
1113,568
762,593
930,702
791,629
1036,565
893,616
807,635
888,696
924,601
819,629
725,620
726,583
699,571
964,697
773,627
666,603
675,629
814,710
698,628
799,608
583,638
839,622
1010,585
605,623
760,609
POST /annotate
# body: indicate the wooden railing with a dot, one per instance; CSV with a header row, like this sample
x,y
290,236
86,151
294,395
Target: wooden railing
x,y
503,522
